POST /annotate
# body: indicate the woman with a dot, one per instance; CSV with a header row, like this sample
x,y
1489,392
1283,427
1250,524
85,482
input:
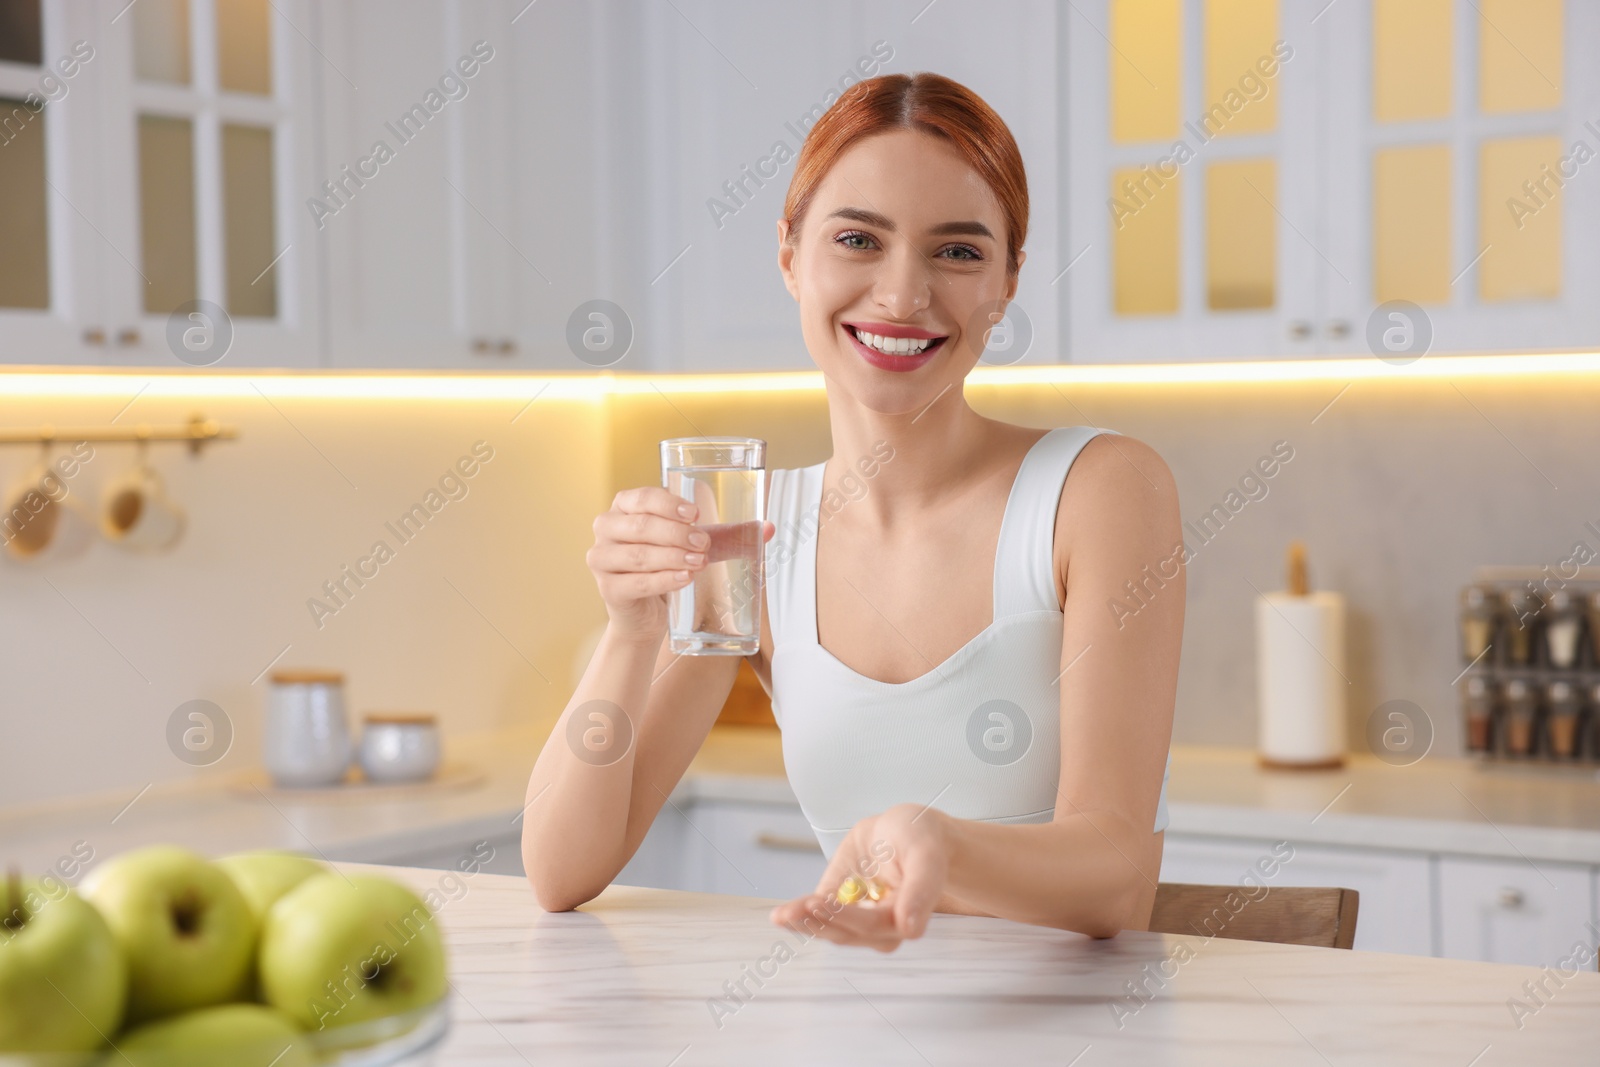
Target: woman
x,y
956,726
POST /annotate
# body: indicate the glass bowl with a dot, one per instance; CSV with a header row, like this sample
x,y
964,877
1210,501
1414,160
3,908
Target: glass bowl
x,y
390,1040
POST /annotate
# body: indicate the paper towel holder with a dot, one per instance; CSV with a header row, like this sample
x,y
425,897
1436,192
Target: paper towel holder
x,y
1300,732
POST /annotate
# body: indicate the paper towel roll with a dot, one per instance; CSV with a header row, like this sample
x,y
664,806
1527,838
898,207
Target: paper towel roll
x,y
1300,679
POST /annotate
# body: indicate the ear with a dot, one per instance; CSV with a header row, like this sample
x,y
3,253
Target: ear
x,y
786,259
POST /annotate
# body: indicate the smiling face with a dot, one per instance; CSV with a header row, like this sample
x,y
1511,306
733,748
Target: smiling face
x,y
899,268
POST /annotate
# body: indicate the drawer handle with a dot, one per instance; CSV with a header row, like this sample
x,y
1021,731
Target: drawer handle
x,y
788,844
1511,898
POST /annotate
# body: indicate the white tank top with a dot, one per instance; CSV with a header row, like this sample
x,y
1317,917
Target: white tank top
x,y
978,736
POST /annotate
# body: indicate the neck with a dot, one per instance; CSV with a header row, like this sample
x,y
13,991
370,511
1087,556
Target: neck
x,y
940,452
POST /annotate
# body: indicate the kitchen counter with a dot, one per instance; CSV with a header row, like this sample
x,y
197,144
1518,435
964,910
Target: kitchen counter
x,y
1436,805
650,976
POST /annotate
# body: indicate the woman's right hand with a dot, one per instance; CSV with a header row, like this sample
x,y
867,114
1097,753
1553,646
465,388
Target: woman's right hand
x,y
645,547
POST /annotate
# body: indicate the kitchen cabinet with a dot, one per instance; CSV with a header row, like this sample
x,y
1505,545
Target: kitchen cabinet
x,y
149,170
1396,908
757,850
1417,903
1261,179
414,202
492,854
715,115
467,236
1515,912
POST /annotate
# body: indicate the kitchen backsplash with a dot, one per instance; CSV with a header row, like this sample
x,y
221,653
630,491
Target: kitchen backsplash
x,y
479,612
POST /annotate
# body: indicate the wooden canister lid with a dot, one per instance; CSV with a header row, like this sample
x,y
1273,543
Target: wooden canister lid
x,y
410,718
307,676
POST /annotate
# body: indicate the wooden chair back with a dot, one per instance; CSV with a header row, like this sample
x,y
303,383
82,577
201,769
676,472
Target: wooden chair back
x,y
1288,915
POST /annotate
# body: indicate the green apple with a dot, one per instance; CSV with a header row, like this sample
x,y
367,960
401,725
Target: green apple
x,y
62,977
338,950
185,929
239,1035
268,874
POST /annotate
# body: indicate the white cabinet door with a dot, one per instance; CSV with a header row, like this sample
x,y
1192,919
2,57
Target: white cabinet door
x,y
1193,194
1396,907
155,167
413,205
1515,912
1458,153
757,850
671,856
206,137
50,293
501,854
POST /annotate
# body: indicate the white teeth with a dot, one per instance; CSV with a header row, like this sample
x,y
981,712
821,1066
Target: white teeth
x,y
893,346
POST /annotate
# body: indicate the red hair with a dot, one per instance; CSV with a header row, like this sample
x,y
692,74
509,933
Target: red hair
x,y
932,104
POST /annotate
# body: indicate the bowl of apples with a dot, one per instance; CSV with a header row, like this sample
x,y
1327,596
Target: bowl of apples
x,y
260,958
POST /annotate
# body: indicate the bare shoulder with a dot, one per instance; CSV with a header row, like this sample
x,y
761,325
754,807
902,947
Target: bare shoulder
x,y
1119,495
1118,464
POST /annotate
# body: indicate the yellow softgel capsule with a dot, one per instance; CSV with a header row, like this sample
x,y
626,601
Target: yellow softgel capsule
x,y
850,890
875,889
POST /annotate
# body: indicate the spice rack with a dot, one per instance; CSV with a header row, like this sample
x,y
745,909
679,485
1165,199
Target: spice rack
x,y
1530,645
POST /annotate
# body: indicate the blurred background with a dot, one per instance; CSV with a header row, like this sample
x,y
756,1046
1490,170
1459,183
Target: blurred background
x,y
367,237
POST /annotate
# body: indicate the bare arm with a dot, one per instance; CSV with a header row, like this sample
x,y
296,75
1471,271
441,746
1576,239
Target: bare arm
x,y
638,715
590,800
1094,868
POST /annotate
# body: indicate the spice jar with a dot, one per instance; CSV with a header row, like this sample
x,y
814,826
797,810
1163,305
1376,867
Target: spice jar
x,y
1481,608
1563,624
1478,700
1521,706
1523,606
1563,701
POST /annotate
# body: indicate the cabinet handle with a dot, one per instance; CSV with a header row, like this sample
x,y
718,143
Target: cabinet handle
x,y
787,844
1338,328
505,346
94,335
1511,898
1299,330
127,336
480,344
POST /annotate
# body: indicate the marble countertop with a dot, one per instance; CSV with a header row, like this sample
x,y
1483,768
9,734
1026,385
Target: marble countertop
x,y
653,976
1439,805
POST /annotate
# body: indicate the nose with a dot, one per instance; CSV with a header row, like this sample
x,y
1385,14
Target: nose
x,y
904,284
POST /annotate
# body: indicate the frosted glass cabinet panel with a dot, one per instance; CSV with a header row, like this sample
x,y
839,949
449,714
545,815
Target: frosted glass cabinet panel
x,y
150,158
1455,160
1425,151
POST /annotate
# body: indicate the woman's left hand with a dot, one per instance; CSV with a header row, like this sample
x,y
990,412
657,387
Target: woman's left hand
x,y
906,850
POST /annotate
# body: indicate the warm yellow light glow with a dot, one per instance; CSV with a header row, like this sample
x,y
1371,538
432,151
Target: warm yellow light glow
x,y
41,381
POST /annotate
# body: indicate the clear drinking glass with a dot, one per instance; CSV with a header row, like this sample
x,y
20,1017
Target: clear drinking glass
x,y
719,613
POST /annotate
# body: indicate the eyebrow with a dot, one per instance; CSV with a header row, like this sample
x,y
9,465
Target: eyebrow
x,y
944,229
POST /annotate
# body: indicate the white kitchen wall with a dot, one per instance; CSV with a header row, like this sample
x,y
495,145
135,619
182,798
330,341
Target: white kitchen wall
x,y
475,617
1400,487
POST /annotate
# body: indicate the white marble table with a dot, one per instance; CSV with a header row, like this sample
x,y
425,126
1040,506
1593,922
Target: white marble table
x,y
636,976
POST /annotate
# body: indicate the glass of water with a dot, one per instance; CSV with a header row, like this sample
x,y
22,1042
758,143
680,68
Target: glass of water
x,y
719,613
